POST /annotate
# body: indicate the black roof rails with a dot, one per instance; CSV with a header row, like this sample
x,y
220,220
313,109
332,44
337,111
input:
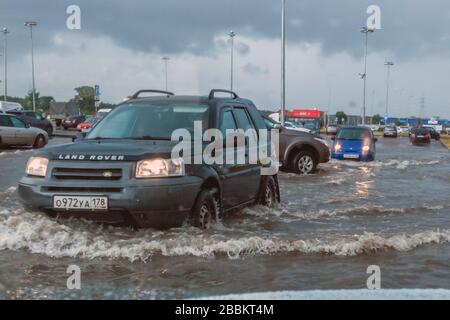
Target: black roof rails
x,y
213,91
136,95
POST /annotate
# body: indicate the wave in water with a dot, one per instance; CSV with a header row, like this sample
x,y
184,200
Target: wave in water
x,y
38,234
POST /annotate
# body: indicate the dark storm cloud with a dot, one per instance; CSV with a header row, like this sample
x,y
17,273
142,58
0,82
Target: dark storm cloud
x,y
410,28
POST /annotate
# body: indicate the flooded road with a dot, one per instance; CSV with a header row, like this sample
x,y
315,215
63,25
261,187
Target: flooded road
x,y
394,213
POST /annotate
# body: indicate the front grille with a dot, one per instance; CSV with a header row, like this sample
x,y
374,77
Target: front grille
x,y
82,189
87,174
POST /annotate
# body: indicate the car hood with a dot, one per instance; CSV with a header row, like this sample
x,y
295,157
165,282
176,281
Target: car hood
x,y
351,145
110,150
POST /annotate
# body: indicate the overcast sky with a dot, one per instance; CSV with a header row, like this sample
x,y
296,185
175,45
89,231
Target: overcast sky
x,y
121,43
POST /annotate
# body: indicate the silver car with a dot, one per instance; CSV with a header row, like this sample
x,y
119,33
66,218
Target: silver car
x,y
14,132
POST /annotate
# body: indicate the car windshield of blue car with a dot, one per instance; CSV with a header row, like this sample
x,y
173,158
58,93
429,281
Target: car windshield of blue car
x,y
353,134
147,121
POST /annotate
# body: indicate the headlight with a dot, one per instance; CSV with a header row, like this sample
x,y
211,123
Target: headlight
x,y
154,168
366,148
323,141
37,166
337,147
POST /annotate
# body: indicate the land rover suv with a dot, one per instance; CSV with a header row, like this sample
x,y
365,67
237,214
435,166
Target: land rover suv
x,y
123,171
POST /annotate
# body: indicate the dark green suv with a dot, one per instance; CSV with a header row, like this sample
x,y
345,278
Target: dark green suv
x,y
123,171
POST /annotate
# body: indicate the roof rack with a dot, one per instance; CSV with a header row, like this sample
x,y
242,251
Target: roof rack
x,y
136,95
213,91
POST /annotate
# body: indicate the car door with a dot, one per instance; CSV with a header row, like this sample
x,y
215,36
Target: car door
x,y
7,130
228,172
23,134
249,173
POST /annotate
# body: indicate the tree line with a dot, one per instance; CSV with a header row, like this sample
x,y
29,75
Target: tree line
x,y
84,99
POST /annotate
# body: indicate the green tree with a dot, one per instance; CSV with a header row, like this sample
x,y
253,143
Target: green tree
x,y
85,99
28,100
341,117
376,119
44,103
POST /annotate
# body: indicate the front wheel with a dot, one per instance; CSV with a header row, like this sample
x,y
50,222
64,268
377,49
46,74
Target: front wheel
x,y
304,163
204,212
268,195
39,142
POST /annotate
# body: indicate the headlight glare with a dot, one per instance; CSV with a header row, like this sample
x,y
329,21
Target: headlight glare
x,y
37,166
337,147
158,167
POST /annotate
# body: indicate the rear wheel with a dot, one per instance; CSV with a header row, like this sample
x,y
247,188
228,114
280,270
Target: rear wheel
x,y
204,212
304,163
39,142
49,131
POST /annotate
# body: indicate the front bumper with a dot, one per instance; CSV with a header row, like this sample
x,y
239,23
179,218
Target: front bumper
x,y
358,156
160,203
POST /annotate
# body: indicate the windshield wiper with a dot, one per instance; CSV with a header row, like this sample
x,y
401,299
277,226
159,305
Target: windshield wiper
x,y
148,138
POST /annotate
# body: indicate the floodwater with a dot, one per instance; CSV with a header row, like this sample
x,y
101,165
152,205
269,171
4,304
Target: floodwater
x,y
393,212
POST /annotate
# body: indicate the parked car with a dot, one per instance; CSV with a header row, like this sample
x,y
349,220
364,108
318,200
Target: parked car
x,y
125,174
419,136
390,131
296,127
101,113
354,143
34,119
6,106
88,123
299,152
332,129
15,132
72,122
403,129
433,133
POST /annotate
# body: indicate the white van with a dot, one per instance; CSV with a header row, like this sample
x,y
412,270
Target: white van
x,y
10,106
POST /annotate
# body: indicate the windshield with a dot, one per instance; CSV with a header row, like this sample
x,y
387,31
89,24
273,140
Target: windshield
x,y
420,131
145,120
353,134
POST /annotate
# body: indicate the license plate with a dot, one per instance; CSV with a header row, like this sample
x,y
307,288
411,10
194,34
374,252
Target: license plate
x,y
420,136
351,156
80,202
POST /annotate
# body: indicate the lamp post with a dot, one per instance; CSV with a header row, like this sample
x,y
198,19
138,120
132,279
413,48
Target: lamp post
x,y
283,62
166,61
365,31
232,35
5,31
388,64
32,24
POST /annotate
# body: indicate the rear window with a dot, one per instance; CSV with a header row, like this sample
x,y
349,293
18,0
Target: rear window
x,y
353,134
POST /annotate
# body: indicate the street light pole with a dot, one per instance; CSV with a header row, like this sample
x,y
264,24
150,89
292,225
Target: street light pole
x,y
365,31
32,24
388,64
283,62
232,35
5,31
166,60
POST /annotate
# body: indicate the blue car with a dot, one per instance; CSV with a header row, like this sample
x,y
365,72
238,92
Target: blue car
x,y
354,143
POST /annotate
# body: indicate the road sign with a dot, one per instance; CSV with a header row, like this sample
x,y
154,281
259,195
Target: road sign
x,y
97,92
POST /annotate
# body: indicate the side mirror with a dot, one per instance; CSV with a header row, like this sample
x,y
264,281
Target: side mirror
x,y
333,138
27,125
375,139
79,136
